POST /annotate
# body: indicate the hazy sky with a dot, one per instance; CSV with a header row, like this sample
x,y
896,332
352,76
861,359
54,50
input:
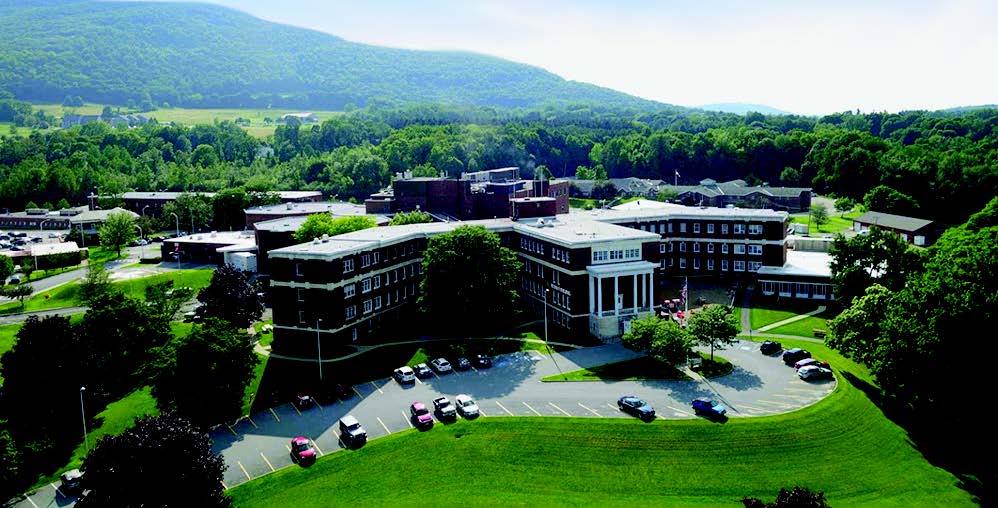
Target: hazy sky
x,y
807,57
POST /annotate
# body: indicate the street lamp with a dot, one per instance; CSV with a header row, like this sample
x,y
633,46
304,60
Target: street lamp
x,y
548,346
42,224
178,223
140,240
318,346
144,210
84,416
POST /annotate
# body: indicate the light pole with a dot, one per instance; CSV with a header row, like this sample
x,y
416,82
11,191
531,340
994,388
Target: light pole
x,y
84,416
144,210
140,238
178,223
41,225
318,346
548,346
177,243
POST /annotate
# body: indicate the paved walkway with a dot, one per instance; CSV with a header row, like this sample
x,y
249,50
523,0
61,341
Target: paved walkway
x,y
746,321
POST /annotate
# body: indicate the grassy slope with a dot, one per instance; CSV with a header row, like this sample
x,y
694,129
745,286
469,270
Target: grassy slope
x,y
854,454
7,333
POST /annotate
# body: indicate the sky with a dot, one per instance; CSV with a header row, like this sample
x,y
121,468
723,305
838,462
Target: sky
x,y
802,56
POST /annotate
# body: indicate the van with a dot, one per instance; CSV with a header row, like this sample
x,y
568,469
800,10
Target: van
x,y
15,279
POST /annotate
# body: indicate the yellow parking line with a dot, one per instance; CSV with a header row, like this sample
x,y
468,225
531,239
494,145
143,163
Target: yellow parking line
x,y
383,424
593,411
278,418
245,472
316,445
532,409
406,419
376,387
504,408
231,429
252,422
295,408
271,466
559,409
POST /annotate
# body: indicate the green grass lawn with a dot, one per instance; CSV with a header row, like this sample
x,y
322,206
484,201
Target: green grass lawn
x,y
835,224
251,390
5,130
7,338
767,310
265,338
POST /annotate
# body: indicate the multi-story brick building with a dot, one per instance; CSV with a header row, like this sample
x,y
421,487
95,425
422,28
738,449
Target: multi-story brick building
x,y
594,271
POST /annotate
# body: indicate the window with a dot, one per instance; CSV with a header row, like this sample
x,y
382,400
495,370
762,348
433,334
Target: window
x,y
298,271
739,248
365,260
739,229
671,246
682,246
301,317
301,295
696,246
365,286
350,312
377,302
710,264
754,266
347,265
661,248
376,256
710,248
696,227
368,306
377,281
724,229
682,227
670,227
556,277
724,248
395,275
739,266
755,250
682,262
696,263
724,265
661,227
710,228
349,290
755,229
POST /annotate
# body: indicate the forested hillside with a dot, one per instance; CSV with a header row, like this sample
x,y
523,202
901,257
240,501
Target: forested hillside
x,y
199,55
939,166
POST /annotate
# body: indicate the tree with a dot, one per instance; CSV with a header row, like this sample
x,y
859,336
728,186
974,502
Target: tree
x,y
6,268
414,217
818,215
18,292
887,200
117,230
63,204
673,344
714,326
167,450
641,335
468,274
844,205
231,296
167,299
191,209
227,207
96,283
800,497
214,362
880,257
319,224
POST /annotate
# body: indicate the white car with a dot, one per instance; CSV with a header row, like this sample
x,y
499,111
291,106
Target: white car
x,y
441,365
405,375
466,406
808,372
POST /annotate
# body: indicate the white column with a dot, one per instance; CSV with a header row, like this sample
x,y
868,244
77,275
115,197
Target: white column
x,y
651,294
599,295
616,291
592,301
634,302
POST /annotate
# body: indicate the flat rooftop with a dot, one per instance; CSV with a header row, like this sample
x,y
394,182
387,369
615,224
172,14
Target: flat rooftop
x,y
576,231
643,209
338,208
217,237
802,263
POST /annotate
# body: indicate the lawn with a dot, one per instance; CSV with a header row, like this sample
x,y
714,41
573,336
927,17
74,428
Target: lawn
x,y
7,338
855,455
836,223
8,128
767,310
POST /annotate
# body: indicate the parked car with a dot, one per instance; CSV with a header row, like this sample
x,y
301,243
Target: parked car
x,y
15,279
37,239
303,401
53,235
708,408
441,366
422,371
813,372
810,361
420,416
71,482
444,408
351,432
637,407
302,450
405,374
770,347
791,356
482,361
466,406
462,363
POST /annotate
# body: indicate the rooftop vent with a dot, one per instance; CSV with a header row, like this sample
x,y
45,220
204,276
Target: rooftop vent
x,y
315,241
290,206
540,222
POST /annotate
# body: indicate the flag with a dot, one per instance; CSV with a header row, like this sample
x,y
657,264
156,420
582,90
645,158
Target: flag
x,y
677,173
683,294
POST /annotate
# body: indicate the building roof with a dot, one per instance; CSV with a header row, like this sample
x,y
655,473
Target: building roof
x,y
335,208
44,249
643,209
801,263
574,230
887,220
171,196
98,215
281,225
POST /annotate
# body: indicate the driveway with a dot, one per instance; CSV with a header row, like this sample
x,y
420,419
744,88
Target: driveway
x,y
258,444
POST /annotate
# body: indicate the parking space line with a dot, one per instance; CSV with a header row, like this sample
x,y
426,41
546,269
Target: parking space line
x,y
750,408
434,374
680,411
532,409
245,472
278,418
317,405
31,501
420,381
295,408
354,388
481,412
773,402
593,411
316,445
234,433
340,442
793,396
224,486
252,422
566,413
504,408
611,406
57,491
288,448
406,419
473,368
383,424
271,466
376,387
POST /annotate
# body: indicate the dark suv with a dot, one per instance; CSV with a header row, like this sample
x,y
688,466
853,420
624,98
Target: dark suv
x,y
791,356
770,347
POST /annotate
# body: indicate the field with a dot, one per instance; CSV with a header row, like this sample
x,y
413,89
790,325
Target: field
x,y
257,127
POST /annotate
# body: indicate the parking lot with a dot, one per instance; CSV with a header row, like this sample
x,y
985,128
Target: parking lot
x,y
260,443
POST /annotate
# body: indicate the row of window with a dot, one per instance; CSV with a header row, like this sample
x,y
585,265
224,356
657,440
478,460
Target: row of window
x,y
559,254
739,248
616,255
738,229
372,258
739,265
372,304
375,282
531,245
803,289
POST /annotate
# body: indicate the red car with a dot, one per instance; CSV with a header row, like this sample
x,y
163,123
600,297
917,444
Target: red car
x,y
302,451
421,416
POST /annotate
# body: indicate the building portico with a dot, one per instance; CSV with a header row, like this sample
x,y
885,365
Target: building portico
x,y
618,293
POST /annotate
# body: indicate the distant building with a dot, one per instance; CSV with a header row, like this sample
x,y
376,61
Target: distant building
x,y
301,117
40,218
920,232
151,203
709,193
336,209
115,120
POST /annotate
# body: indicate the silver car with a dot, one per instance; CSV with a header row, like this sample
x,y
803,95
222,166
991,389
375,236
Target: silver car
x,y
466,406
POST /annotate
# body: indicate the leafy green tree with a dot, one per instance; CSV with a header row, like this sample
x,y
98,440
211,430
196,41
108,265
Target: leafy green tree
x,y
818,215
856,331
204,156
227,209
666,195
30,204
191,209
167,299
10,474
214,362
95,284
425,170
117,230
319,224
63,204
887,200
414,217
468,273
18,292
844,205
232,297
166,448
6,268
673,344
715,326
880,257
641,335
